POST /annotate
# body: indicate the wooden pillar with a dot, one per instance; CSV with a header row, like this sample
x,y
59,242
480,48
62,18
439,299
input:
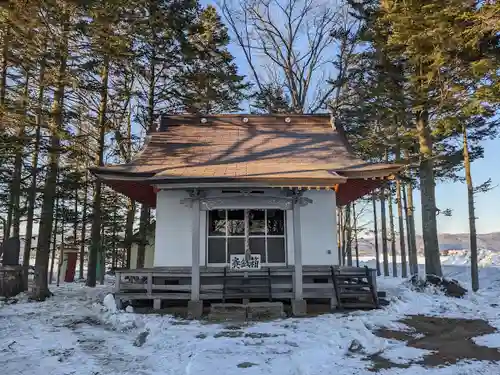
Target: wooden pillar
x,y
195,268
297,252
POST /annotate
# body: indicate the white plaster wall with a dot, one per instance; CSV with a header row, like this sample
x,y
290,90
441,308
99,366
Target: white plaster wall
x,y
148,256
173,230
172,245
319,229
133,256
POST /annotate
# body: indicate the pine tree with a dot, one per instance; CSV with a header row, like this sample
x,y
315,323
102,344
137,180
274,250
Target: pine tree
x,y
62,16
441,56
210,82
110,45
272,98
410,82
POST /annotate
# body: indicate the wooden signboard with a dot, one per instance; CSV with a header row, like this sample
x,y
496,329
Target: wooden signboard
x,y
238,262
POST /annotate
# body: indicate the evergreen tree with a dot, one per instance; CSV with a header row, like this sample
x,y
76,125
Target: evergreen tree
x,y
210,82
61,16
443,61
421,66
272,98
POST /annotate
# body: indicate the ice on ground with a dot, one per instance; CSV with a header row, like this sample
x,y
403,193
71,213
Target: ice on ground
x,y
491,340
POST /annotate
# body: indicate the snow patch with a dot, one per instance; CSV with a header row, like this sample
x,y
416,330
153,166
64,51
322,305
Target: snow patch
x,y
491,340
129,309
401,354
80,330
110,303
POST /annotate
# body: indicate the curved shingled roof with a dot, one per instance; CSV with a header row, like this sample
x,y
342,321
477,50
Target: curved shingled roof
x,y
277,149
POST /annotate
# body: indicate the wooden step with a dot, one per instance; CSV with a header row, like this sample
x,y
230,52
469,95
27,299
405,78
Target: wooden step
x,y
358,305
351,276
356,294
241,277
246,295
247,286
353,286
354,290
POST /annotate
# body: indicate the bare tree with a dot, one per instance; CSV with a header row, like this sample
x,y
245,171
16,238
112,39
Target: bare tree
x,y
294,42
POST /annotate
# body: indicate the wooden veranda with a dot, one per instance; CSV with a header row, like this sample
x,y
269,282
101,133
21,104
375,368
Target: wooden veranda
x,y
342,287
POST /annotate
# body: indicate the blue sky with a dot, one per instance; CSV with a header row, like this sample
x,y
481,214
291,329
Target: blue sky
x,y
454,196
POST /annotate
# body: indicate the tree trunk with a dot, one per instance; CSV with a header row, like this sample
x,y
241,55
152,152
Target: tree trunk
x,y
402,244
412,238
34,173
3,91
101,257
129,230
393,235
383,218
61,248
84,226
355,228
95,240
41,289
151,94
375,230
129,226
408,230
348,230
428,197
15,187
75,224
410,224
472,215
143,235
54,241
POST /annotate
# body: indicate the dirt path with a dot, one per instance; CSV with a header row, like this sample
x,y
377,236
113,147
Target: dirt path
x,y
450,341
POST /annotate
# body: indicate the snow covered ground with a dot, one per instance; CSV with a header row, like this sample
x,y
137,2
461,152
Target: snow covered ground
x,y
75,333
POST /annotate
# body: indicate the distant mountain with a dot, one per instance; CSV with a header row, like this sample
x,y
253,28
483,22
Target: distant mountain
x,y
447,241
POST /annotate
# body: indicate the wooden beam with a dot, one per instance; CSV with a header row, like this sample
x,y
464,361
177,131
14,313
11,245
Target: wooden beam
x,y
150,283
297,251
118,279
195,268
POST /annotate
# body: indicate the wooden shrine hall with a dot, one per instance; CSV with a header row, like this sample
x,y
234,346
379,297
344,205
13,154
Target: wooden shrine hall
x,y
246,210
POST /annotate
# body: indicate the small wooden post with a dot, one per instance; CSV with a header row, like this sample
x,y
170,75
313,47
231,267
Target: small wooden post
x,y
247,234
195,268
150,283
297,252
118,278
